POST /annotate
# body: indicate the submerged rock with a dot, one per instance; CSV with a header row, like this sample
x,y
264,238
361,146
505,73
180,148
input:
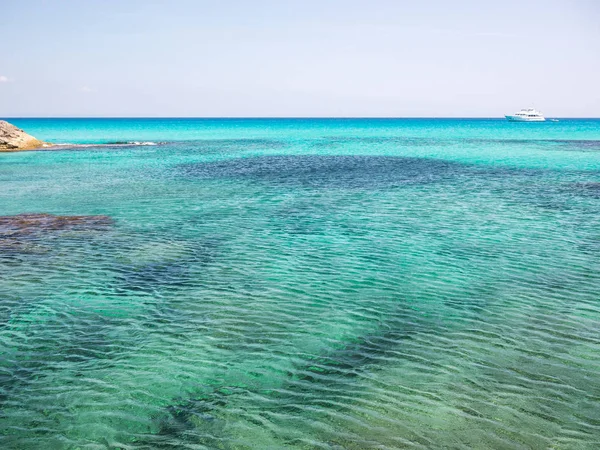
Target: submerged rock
x,y
30,233
27,224
14,139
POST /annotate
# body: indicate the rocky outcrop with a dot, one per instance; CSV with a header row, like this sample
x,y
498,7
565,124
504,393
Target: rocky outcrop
x,y
13,139
29,224
32,233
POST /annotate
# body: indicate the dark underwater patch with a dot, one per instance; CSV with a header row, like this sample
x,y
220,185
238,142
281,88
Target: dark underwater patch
x,y
196,416
546,144
394,328
31,224
404,141
320,379
348,172
172,274
589,189
72,338
149,277
533,186
579,145
22,233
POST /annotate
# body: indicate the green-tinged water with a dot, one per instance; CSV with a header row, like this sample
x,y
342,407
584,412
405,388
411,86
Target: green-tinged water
x,y
304,284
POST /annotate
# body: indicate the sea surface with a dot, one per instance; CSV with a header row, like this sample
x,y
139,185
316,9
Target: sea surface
x,y
301,284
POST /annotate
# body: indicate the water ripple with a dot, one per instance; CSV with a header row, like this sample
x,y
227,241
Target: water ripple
x,y
300,301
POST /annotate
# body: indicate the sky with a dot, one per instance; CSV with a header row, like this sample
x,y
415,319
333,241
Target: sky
x,y
309,58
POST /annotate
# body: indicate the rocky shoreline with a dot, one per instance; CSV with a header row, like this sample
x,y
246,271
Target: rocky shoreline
x,y
13,139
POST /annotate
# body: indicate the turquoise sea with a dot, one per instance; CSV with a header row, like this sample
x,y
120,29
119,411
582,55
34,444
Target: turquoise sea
x,y
302,284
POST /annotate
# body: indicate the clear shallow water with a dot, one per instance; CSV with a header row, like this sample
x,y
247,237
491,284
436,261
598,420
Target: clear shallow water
x,y
304,284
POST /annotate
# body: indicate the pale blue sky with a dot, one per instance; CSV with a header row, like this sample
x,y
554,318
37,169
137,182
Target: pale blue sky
x,y
299,58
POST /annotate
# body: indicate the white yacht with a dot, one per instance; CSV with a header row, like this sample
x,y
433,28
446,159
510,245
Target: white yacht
x,y
526,115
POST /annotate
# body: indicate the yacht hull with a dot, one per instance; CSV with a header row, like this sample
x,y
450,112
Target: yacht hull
x,y
524,119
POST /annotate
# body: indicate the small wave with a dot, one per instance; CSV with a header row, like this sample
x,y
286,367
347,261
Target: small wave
x,y
105,144
134,143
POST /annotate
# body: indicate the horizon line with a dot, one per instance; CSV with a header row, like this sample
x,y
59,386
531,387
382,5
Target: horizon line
x,y
283,117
